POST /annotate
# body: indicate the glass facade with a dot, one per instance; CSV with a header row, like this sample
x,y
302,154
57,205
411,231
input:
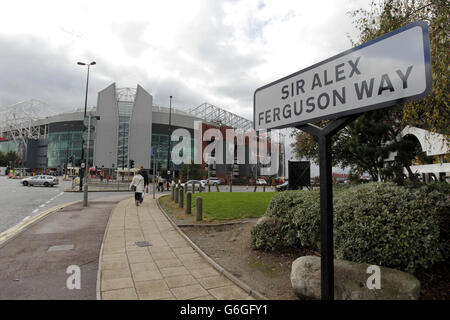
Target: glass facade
x,y
6,146
161,142
125,109
63,145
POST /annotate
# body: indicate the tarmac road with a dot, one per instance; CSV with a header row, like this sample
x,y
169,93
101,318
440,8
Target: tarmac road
x,y
34,264
18,202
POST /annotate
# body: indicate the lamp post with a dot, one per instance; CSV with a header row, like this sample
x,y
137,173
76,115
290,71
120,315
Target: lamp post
x,y
85,110
170,132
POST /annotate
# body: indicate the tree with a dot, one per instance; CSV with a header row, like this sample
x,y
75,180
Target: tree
x,y
432,112
192,172
10,156
366,142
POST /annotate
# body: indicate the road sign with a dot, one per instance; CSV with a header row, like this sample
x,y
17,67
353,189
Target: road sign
x,y
388,70
82,165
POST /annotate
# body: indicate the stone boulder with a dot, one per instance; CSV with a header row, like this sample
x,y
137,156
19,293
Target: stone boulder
x,y
350,281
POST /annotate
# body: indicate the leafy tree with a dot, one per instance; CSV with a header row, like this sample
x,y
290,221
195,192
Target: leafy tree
x,y
195,172
431,113
9,156
366,142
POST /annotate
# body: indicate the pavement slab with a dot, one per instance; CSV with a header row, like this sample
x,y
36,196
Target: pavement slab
x,y
168,268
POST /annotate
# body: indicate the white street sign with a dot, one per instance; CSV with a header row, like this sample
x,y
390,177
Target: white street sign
x,y
388,70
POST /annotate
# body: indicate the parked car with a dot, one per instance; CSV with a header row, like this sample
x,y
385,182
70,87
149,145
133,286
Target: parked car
x,y
41,180
282,187
213,181
197,185
261,182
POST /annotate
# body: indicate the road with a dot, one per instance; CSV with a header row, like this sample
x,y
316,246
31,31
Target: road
x,y
19,203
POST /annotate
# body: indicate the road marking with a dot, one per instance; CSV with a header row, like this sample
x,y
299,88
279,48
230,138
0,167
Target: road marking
x,y
23,224
42,205
35,210
48,202
25,218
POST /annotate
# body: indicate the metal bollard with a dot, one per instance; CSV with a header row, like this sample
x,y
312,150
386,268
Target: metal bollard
x,y
181,198
231,185
199,207
177,191
189,202
172,194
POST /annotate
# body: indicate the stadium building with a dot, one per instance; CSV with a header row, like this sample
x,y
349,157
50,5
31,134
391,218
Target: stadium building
x,y
126,125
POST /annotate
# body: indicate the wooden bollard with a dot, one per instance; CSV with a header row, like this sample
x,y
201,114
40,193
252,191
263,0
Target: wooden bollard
x,y
188,202
209,187
264,188
177,190
181,198
199,208
172,194
254,190
193,187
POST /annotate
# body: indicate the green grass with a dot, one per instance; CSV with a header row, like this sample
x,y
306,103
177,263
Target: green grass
x,y
233,205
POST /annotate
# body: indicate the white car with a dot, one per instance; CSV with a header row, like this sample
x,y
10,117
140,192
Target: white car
x,y
261,182
41,180
197,185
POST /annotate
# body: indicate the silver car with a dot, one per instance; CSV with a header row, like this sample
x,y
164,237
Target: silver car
x,y
197,185
40,180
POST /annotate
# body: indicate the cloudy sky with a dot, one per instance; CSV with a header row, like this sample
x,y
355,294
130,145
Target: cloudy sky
x,y
197,50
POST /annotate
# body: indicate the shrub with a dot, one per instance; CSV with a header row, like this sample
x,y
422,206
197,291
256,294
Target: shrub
x,y
388,225
292,221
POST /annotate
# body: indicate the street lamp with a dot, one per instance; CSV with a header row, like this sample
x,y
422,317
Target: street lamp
x,y
170,129
85,110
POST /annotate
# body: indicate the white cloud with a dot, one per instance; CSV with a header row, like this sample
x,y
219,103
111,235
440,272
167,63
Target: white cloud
x,y
197,51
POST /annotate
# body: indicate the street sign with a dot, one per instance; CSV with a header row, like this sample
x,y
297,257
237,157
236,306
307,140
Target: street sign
x,y
388,70
82,165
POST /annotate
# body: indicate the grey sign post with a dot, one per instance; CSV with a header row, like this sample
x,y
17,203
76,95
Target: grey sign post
x,y
386,71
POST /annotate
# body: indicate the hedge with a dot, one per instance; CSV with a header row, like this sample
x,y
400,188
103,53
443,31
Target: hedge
x,y
377,223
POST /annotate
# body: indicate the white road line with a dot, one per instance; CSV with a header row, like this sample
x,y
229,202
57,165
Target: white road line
x,y
42,205
35,210
25,218
48,202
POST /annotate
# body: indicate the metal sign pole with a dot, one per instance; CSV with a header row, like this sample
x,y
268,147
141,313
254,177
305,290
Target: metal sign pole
x,y
326,200
86,166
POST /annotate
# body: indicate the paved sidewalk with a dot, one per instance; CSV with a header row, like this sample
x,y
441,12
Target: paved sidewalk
x,y
169,269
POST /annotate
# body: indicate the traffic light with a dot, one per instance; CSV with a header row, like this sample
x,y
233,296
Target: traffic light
x,y
131,163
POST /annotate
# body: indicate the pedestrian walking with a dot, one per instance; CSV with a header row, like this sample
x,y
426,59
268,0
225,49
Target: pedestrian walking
x,y
145,175
160,184
137,184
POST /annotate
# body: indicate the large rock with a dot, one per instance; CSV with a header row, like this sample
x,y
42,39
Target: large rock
x,y
350,281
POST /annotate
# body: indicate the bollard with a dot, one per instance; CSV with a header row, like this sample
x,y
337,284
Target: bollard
x,y
254,190
172,194
189,202
217,187
177,191
199,207
264,188
209,187
231,185
193,188
181,198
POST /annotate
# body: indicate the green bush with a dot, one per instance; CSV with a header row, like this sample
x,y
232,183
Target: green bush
x,y
381,224
388,225
292,222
